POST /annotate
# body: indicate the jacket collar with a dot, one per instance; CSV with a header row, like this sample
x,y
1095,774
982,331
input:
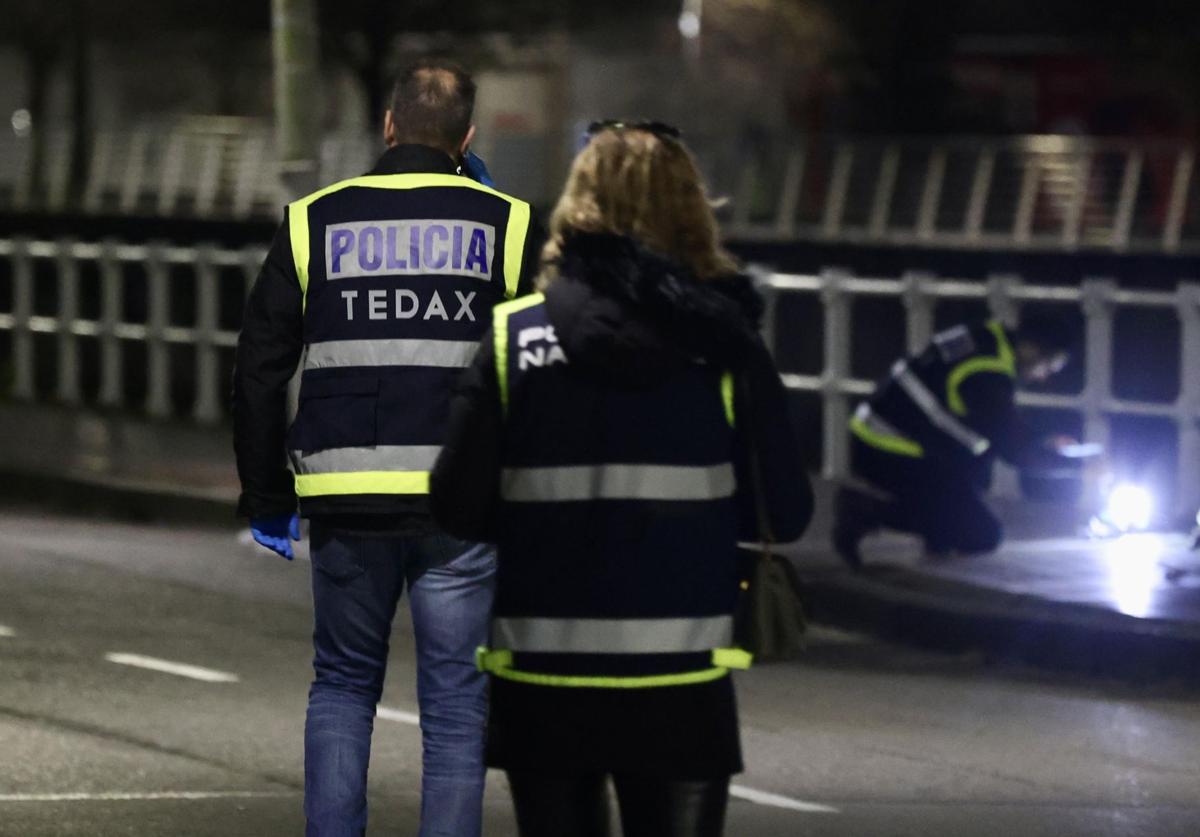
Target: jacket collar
x,y
414,159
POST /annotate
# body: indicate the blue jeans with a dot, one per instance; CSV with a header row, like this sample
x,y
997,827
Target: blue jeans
x,y
357,582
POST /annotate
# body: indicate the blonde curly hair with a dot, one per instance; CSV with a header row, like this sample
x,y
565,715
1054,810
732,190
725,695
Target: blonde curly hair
x,y
633,182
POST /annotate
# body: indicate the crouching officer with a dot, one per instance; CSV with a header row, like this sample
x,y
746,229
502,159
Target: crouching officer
x,y
385,284
927,437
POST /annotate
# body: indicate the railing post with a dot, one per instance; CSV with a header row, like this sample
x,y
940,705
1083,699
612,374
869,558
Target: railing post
x,y
1001,302
881,203
789,195
744,202
931,194
22,336
58,179
206,410
981,185
67,390
770,297
1177,204
1072,225
110,315
918,304
1187,461
135,171
158,277
839,184
1131,179
1003,307
208,175
1098,330
834,408
98,169
1026,202
172,173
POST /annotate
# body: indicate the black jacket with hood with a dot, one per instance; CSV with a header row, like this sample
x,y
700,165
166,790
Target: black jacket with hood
x,y
630,319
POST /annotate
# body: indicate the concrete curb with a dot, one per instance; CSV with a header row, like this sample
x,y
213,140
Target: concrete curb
x,y
908,607
90,496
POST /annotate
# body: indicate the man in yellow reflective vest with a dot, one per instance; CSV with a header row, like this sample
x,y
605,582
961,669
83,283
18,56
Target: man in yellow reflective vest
x,y
926,439
383,284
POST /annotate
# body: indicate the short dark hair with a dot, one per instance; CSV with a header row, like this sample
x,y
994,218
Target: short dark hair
x,y
432,104
1050,333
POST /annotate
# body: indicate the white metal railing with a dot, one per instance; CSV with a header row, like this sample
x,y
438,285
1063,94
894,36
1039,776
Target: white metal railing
x,y
222,277
111,330
1049,192
920,293
216,167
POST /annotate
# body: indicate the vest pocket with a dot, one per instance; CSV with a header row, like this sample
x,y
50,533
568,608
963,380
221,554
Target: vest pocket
x,y
335,412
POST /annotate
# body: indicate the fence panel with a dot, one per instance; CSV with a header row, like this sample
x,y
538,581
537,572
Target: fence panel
x,y
1098,299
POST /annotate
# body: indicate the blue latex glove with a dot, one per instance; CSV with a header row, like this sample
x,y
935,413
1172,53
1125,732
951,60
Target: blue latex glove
x,y
277,533
474,168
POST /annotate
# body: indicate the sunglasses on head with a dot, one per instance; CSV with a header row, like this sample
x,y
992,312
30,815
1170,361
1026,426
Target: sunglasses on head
x,y
659,129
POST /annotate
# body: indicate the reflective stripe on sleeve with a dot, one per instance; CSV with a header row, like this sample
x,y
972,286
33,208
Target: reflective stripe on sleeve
x,y
453,354
617,482
380,458
934,411
613,636
872,429
727,397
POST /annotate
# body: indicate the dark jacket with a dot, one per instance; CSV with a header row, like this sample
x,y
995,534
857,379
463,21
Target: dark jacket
x,y
628,321
631,318
269,349
984,404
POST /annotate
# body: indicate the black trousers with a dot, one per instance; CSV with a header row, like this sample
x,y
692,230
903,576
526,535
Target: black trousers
x,y
944,506
554,804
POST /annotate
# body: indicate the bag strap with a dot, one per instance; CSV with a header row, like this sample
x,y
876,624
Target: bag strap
x,y
757,484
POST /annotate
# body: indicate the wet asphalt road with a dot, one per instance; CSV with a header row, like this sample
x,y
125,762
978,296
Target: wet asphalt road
x,y
861,738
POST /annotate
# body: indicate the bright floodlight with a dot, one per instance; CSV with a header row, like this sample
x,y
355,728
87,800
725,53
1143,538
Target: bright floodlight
x,y
689,25
1130,507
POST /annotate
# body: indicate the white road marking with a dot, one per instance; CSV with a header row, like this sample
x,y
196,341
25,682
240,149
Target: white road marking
x,y
208,675
140,797
777,801
6,631
397,715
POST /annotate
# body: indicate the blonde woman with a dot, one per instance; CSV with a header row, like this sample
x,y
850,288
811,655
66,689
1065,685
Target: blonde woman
x,y
606,438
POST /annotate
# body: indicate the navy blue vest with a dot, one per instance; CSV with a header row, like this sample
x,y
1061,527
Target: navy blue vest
x,y
400,273
919,408
617,525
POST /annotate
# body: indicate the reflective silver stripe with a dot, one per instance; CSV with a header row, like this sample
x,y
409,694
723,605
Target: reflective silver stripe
x,y
456,354
381,458
876,422
617,482
933,410
613,636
